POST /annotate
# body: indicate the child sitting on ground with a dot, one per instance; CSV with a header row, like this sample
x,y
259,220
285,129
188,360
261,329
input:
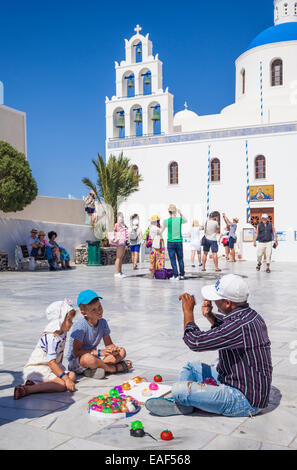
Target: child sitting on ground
x,y
45,372
83,356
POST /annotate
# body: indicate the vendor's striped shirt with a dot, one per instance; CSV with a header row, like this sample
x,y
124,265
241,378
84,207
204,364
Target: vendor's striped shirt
x,y
244,352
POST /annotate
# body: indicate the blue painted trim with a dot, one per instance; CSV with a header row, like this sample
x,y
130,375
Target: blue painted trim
x,y
201,136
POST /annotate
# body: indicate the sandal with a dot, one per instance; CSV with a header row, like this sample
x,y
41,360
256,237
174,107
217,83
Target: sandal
x,y
124,364
19,392
268,270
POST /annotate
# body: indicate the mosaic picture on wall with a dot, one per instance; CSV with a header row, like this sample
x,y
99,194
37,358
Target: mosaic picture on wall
x,y
262,193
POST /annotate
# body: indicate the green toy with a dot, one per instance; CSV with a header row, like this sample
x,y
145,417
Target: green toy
x,y
114,393
136,425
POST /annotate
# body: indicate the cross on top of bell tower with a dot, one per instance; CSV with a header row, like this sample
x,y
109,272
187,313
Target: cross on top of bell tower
x,y
137,29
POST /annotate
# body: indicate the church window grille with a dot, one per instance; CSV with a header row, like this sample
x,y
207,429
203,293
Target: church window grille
x,y
215,170
286,8
277,72
173,173
260,167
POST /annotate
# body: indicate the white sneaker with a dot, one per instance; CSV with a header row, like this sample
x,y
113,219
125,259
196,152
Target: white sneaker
x,y
182,278
174,278
123,275
119,275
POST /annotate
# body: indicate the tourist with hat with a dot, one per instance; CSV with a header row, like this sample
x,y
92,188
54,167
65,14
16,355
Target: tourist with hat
x,y
175,241
239,385
38,248
84,355
232,236
265,234
157,256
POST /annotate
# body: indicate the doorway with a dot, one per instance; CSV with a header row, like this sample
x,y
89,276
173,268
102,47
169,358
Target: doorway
x,y
256,214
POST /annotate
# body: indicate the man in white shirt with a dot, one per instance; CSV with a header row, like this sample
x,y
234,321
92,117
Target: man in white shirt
x,y
32,241
211,232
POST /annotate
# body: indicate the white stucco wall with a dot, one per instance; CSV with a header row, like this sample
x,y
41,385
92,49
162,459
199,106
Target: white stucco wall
x,y
229,195
16,232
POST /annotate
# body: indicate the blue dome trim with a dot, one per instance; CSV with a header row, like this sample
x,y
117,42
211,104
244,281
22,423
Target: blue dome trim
x,y
279,33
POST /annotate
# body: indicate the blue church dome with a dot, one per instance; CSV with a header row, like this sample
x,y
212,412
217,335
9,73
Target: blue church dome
x,y
279,33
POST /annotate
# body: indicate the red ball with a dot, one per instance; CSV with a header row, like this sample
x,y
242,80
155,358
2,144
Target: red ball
x,y
166,435
158,378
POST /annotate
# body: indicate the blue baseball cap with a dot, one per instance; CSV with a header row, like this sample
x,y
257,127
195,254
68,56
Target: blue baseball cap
x,y
86,296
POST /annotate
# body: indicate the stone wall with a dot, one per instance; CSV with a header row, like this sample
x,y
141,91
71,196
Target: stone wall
x,y
3,261
107,255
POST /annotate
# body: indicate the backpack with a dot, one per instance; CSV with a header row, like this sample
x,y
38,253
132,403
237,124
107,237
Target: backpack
x,y
133,237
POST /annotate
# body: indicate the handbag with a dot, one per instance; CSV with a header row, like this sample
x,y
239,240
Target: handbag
x,y
163,274
116,238
203,240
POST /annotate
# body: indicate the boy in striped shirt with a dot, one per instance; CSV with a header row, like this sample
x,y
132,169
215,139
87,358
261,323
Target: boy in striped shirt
x,y
243,374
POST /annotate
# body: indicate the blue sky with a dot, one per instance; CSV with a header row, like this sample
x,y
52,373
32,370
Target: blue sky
x,y
57,65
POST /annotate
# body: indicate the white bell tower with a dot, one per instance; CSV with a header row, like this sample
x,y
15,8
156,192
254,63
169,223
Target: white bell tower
x,y
285,11
140,107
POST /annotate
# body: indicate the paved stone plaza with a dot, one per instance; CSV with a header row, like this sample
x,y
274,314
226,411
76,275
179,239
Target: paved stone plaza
x,y
146,318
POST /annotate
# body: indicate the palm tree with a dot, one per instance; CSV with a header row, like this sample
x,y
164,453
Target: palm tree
x,y
117,180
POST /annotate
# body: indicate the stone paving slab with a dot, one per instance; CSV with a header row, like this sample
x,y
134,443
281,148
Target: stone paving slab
x,y
145,317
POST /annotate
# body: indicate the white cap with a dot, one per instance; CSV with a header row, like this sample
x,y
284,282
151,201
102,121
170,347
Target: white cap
x,y
229,287
264,216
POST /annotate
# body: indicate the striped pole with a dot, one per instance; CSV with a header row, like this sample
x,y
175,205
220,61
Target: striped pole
x,y
261,90
208,181
248,180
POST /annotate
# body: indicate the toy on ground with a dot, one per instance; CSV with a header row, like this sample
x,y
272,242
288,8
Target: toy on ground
x,y
153,386
166,435
113,405
146,393
138,431
158,378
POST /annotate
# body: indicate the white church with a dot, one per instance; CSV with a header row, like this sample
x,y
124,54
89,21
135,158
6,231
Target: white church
x,y
242,161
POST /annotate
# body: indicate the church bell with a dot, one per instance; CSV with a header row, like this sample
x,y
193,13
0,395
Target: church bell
x,y
130,83
121,121
156,115
147,80
138,117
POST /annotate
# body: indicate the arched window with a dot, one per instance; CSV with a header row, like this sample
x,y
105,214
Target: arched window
x,y
215,170
277,72
243,81
173,173
260,167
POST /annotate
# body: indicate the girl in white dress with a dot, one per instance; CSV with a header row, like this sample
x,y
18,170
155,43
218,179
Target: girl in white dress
x,y
44,371
195,242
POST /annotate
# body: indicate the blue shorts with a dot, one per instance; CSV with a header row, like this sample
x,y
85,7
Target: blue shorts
x,y
90,210
210,245
134,248
231,242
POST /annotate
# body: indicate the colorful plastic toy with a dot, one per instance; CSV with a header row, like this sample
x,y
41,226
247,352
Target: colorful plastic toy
x,y
153,386
166,435
158,378
114,393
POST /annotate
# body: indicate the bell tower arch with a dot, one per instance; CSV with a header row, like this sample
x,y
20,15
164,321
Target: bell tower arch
x,y
139,82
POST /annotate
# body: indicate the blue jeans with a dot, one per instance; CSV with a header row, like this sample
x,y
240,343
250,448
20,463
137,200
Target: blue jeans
x,y
222,400
175,249
48,253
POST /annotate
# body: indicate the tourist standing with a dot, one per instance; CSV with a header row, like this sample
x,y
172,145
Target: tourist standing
x,y
265,235
90,206
232,236
194,235
122,240
175,240
157,257
211,232
135,239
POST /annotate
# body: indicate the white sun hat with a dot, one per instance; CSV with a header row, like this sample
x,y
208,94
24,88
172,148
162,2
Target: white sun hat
x,y
229,287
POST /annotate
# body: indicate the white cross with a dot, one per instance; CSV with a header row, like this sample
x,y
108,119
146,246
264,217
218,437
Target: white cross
x,y
186,105
137,29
